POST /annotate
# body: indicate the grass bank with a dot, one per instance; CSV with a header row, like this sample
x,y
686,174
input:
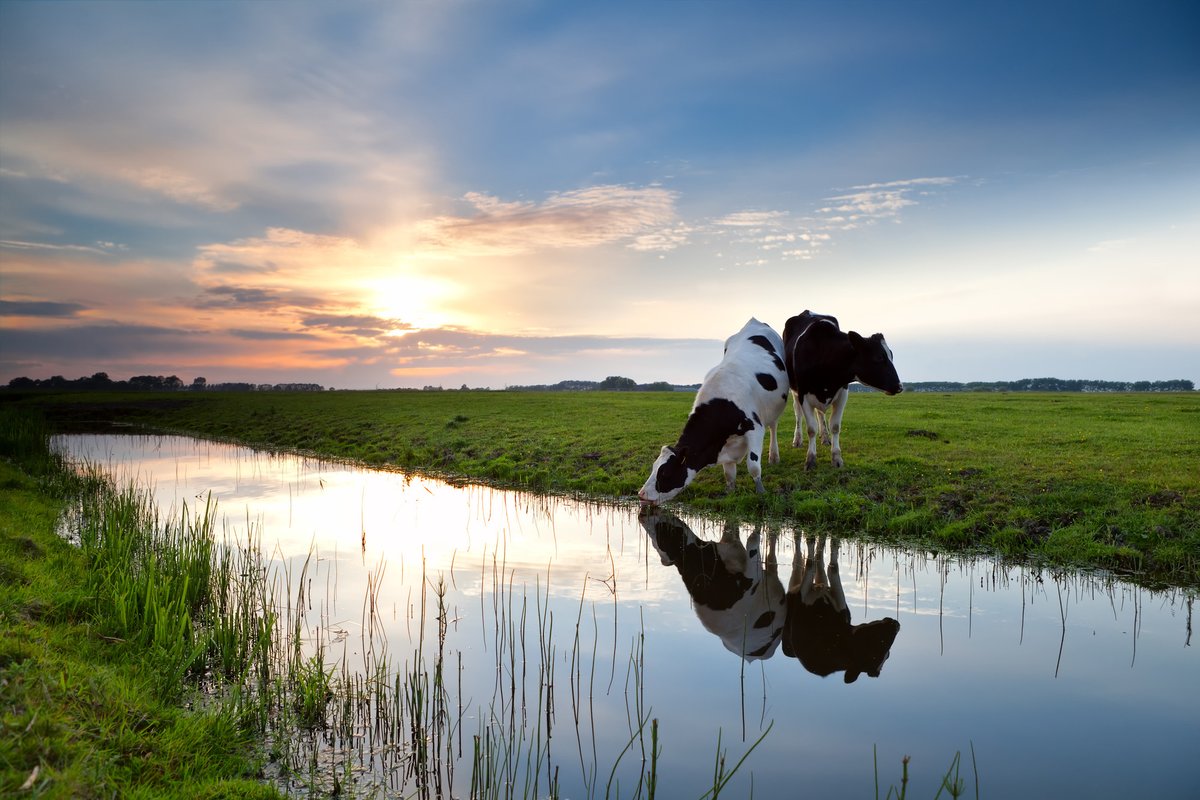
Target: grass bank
x,y
1093,480
91,703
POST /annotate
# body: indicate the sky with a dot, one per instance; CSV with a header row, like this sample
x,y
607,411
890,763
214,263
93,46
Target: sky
x,y
504,193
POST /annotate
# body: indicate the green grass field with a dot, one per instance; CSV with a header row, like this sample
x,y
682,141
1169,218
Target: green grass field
x,y
1096,480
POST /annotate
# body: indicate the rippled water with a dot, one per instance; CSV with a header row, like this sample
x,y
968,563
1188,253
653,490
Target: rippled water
x,y
580,620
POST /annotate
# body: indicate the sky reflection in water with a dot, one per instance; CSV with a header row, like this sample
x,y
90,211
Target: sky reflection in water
x,y
1065,684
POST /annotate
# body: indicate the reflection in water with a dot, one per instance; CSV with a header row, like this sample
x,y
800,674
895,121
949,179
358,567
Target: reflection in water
x,y
818,630
734,594
737,595
549,635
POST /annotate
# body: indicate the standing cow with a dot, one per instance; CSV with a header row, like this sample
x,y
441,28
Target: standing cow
x,y
822,361
740,399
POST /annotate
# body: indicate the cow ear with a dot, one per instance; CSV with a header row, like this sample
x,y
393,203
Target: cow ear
x,y
855,340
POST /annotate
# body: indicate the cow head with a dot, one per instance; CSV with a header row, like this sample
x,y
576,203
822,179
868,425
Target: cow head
x,y
668,477
870,646
873,363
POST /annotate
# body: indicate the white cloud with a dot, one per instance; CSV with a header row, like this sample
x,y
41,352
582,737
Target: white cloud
x,y
752,219
588,217
873,201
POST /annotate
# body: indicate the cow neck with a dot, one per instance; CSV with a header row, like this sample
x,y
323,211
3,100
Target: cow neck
x,y
828,377
706,430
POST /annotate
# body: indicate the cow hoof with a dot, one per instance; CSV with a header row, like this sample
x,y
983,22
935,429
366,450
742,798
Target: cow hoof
x,y
838,463
810,463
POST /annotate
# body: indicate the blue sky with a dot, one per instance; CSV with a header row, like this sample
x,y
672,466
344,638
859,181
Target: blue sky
x,y
502,193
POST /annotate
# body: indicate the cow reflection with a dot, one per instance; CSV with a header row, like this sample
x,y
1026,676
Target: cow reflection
x,y
735,591
818,630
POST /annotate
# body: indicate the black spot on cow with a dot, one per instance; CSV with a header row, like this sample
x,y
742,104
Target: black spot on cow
x,y
707,429
765,344
762,651
757,419
754,456
766,381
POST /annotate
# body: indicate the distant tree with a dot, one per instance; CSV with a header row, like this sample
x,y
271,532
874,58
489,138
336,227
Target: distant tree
x,y
199,384
146,382
618,383
22,383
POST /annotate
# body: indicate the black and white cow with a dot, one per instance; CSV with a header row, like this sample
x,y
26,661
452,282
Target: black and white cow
x,y
740,400
735,589
822,361
818,632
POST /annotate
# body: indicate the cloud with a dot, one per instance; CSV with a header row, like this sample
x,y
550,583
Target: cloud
x,y
752,219
239,296
100,248
181,187
270,335
873,201
39,308
357,324
103,344
803,237
579,218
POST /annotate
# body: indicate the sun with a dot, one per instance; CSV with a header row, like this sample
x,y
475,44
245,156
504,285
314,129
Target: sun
x,y
413,301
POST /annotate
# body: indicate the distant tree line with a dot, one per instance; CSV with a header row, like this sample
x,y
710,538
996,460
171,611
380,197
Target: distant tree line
x,y
613,383
100,382
1051,385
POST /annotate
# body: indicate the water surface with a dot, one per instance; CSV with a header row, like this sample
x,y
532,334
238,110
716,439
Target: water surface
x,y
568,624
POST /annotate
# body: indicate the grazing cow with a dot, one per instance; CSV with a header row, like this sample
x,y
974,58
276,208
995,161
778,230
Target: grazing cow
x,y
740,400
735,592
818,631
822,360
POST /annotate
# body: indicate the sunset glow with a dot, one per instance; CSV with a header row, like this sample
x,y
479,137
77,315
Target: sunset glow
x,y
364,195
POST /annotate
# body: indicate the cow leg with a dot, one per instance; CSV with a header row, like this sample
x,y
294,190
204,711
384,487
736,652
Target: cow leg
x,y
775,441
810,423
798,404
754,443
808,580
734,555
834,413
823,424
730,468
835,578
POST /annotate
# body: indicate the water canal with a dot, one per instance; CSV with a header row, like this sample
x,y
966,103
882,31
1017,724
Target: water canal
x,y
560,630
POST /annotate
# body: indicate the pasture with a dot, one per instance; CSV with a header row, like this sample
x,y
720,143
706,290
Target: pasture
x,y
1094,480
